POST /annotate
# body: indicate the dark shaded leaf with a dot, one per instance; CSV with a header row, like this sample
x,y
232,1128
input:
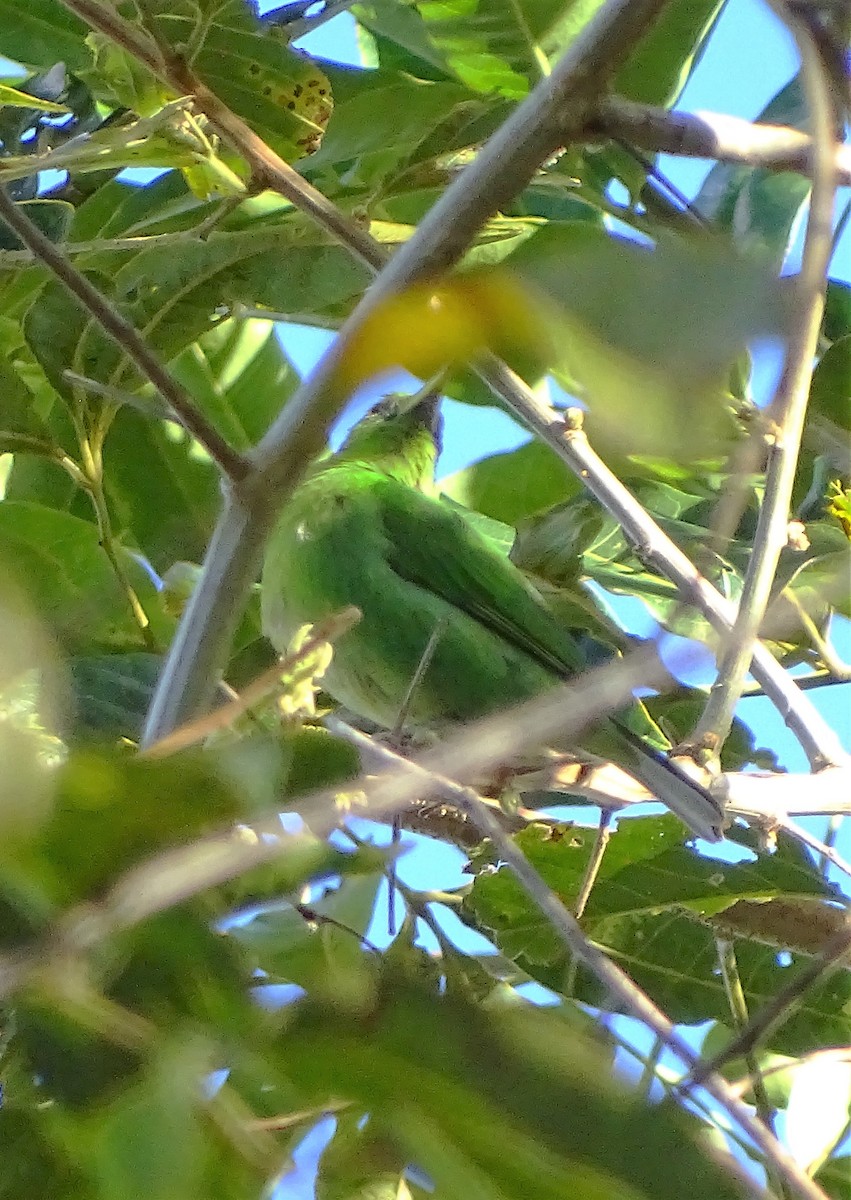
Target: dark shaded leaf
x,y
112,692
830,390
481,1098
43,33
50,217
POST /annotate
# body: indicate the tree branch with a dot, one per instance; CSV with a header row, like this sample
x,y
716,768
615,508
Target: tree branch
x,y
713,135
268,168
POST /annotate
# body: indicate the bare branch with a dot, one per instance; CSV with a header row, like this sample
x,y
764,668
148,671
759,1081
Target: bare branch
x,y
773,798
713,135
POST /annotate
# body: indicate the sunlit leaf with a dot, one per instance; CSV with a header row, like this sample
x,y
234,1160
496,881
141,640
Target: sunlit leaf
x,y
18,99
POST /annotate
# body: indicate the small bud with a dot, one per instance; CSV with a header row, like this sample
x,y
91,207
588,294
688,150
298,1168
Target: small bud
x,y
796,536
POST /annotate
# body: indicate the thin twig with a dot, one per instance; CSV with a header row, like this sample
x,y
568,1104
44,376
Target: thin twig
x,y
649,1073
396,734
595,861
151,406
839,670
120,331
841,1054
786,414
825,850
226,715
739,1012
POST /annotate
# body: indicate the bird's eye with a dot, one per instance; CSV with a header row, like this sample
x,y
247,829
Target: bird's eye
x,y
385,408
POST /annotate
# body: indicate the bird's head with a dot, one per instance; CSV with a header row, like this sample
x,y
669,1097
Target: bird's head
x,y
402,436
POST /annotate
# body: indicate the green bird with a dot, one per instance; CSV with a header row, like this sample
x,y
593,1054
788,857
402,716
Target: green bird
x,y
364,530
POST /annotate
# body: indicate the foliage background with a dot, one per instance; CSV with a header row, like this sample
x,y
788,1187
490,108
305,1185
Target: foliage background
x,y
138,931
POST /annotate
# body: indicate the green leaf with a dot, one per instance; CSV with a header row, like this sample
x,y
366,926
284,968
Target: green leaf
x,y
514,485
180,972
18,99
377,130
625,321
489,45
659,67
837,310
675,960
830,390
68,578
476,1099
163,493
361,1164
757,207
50,217
172,291
648,880
43,33
31,1165
149,1143
74,1062
112,692
833,1177
284,95
240,376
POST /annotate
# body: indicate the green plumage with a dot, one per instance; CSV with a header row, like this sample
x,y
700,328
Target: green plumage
x,y
363,530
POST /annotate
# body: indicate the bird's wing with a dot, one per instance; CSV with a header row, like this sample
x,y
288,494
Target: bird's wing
x,y
434,546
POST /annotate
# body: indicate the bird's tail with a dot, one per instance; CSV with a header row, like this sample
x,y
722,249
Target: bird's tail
x,y
694,804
